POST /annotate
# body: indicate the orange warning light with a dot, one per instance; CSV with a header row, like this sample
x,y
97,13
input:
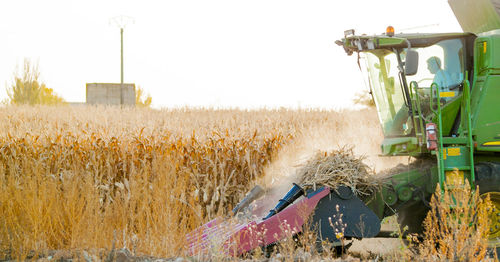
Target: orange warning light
x,y
389,31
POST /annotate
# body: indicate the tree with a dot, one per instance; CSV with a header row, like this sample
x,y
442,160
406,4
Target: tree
x,y
28,89
49,97
142,99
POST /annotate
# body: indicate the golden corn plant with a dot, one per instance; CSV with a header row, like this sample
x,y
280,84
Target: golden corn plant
x,y
457,226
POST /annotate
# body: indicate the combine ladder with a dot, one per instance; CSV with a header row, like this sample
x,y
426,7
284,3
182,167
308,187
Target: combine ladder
x,y
455,154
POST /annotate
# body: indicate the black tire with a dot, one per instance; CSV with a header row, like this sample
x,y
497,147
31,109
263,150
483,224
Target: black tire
x,y
413,217
487,176
488,180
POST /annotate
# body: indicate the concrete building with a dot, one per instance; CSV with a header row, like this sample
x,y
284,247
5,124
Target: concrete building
x,y
110,94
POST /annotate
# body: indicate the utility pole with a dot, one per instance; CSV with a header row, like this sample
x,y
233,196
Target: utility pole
x,y
121,22
121,56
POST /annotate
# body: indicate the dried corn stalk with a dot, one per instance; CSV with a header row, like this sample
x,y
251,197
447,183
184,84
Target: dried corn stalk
x,y
338,168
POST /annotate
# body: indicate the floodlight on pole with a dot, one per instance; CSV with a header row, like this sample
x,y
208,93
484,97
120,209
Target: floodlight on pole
x,y
121,21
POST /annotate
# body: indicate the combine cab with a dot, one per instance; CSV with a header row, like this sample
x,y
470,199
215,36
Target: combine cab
x,y
437,97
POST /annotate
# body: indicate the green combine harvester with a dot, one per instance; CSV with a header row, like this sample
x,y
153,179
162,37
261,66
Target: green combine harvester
x,y
438,100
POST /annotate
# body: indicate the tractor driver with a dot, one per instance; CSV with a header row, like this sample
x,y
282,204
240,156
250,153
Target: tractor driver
x,y
441,77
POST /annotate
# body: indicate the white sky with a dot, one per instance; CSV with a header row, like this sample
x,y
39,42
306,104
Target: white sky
x,y
248,54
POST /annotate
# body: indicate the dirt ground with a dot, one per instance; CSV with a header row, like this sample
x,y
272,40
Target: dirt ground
x,y
378,247
373,247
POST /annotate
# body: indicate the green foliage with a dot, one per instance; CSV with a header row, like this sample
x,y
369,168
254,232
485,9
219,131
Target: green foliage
x,y
142,99
28,89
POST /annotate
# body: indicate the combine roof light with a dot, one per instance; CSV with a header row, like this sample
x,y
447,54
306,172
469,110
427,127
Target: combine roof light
x,y
389,31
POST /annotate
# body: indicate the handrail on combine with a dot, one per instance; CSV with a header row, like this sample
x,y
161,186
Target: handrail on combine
x,y
466,105
440,158
418,115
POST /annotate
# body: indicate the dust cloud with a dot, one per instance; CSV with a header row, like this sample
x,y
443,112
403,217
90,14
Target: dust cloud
x,y
359,130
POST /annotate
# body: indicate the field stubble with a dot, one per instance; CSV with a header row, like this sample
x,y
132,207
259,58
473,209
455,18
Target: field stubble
x,y
94,178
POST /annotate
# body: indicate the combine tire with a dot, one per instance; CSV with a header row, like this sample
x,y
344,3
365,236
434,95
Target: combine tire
x,y
411,219
488,180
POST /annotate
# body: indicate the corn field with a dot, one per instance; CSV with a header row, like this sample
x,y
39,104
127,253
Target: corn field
x,y
95,178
